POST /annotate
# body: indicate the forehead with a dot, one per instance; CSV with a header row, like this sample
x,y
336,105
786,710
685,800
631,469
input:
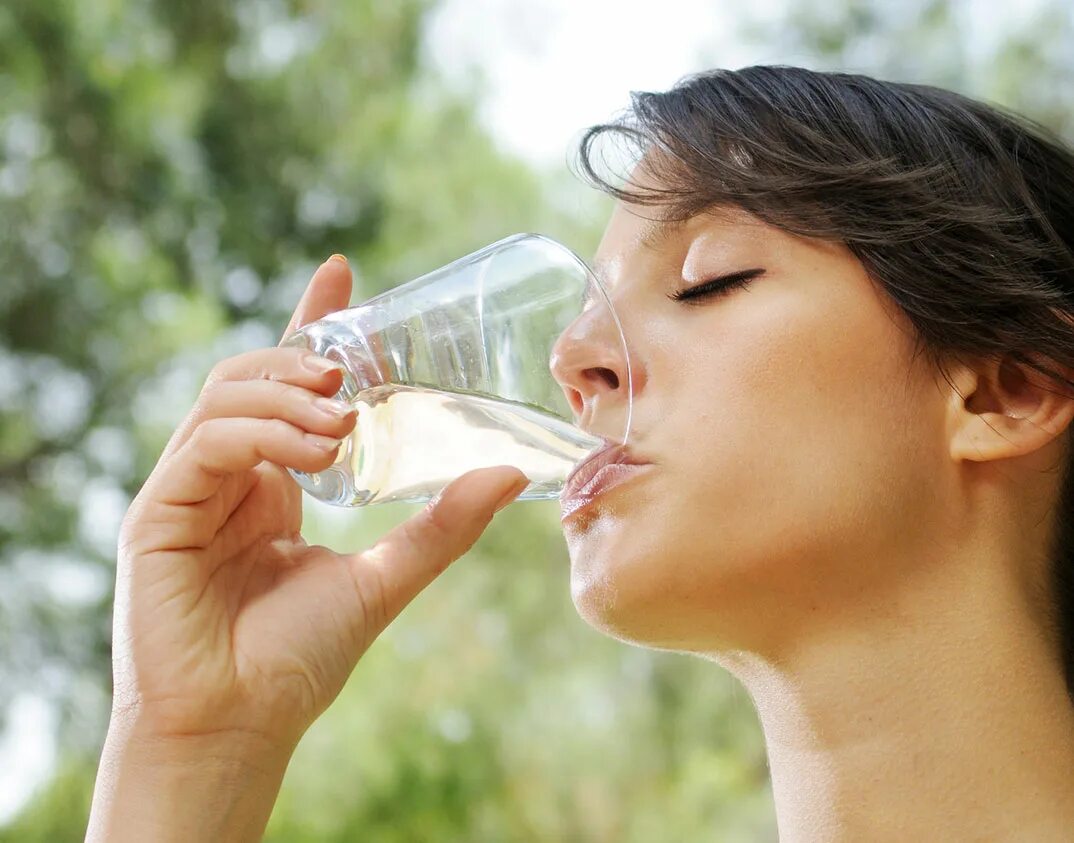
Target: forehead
x,y
650,226
634,228
635,232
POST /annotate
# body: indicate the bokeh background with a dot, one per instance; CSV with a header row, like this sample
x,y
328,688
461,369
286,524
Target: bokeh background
x,y
170,175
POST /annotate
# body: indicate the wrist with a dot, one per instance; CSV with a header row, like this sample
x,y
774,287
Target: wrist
x,y
211,786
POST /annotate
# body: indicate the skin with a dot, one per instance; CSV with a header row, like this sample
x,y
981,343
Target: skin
x,y
859,541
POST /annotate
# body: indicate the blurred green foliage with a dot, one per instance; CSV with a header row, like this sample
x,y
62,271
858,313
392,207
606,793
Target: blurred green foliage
x,y
170,175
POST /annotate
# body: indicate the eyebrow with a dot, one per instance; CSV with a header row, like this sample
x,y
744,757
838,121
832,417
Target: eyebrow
x,y
658,232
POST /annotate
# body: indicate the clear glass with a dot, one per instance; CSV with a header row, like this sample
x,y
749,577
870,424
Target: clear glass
x,y
451,372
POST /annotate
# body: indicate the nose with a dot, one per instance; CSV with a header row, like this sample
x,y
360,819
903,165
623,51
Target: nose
x,y
590,365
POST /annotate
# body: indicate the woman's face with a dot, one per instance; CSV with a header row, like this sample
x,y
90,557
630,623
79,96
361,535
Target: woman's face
x,y
796,443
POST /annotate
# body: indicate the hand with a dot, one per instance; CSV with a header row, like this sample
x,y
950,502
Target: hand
x,y
226,621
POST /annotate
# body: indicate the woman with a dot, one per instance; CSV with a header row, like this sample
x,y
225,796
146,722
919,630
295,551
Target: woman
x,y
850,306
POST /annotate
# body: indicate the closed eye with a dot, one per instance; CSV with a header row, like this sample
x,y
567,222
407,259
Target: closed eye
x,y
717,286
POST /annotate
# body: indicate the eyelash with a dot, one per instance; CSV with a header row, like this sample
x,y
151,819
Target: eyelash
x,y
717,286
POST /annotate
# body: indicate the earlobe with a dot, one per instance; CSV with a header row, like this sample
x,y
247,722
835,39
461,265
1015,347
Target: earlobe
x,y
989,436
1005,409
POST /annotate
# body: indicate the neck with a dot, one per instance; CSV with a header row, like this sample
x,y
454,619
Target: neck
x,y
941,715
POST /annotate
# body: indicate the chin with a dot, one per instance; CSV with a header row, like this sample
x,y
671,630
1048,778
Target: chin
x,y
615,567
644,588
609,610
618,594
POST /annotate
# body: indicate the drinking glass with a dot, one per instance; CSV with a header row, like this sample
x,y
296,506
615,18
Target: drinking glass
x,y
450,372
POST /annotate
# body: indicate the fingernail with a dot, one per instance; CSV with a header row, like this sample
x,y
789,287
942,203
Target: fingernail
x,y
512,493
336,409
320,365
324,443
339,258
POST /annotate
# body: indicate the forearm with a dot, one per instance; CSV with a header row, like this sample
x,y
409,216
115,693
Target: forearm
x,y
210,787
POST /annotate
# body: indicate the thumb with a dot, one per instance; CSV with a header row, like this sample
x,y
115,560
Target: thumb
x,y
406,559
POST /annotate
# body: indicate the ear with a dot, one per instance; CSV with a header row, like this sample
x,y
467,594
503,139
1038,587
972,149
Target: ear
x,y
1000,409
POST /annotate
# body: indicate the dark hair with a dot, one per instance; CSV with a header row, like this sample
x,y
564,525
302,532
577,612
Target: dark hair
x,y
962,211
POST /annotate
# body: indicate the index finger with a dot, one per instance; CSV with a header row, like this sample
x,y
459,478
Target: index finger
x,y
329,290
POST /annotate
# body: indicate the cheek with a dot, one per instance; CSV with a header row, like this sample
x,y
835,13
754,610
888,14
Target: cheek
x,y
818,436
794,456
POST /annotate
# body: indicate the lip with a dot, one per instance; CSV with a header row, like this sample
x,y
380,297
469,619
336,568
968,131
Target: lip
x,y
600,471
